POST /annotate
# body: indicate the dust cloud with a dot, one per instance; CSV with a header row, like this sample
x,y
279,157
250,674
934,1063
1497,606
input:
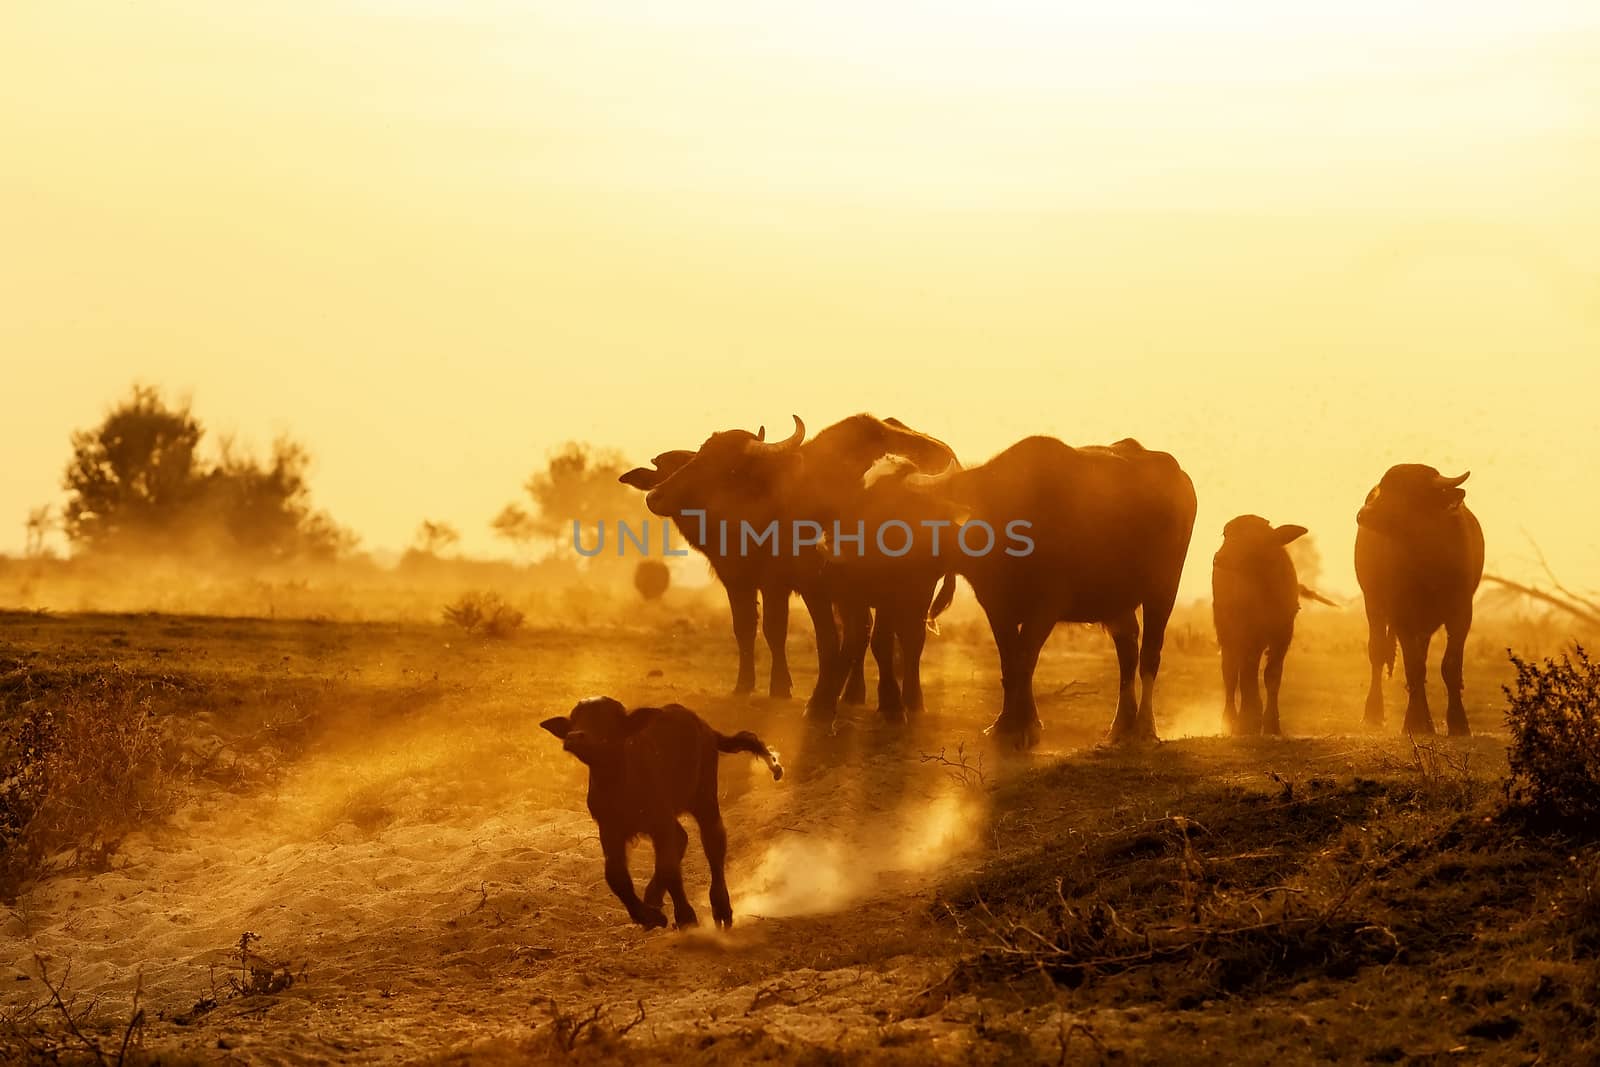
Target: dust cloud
x,y
801,875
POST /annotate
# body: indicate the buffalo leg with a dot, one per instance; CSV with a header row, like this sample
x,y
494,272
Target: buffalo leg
x,y
855,663
1006,631
1024,725
824,699
1272,677
1157,611
775,628
1455,647
911,628
714,839
1250,693
615,848
670,844
891,705
1230,688
742,602
1414,650
857,620
1124,631
1379,646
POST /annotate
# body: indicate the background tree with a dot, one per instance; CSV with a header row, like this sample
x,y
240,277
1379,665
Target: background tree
x,y
433,538
578,483
137,482
514,524
41,520
133,477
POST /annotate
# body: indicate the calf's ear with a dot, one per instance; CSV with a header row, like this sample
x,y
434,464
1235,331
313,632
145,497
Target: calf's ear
x,y
1289,532
641,478
559,726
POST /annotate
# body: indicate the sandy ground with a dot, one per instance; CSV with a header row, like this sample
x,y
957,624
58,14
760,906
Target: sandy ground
x,y
425,868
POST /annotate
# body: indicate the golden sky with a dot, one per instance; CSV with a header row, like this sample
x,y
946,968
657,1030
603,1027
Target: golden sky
x,y
1290,243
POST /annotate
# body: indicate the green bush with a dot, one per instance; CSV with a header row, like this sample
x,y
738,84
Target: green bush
x,y
1553,712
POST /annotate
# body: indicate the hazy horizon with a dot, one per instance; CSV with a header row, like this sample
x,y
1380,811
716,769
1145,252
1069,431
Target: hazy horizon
x,y
431,244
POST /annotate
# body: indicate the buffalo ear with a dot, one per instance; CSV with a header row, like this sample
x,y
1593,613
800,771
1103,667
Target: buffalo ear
x,y
641,478
560,725
1289,532
638,719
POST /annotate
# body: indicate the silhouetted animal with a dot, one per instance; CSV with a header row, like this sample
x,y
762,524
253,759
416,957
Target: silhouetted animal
x,y
1109,526
1419,558
1255,595
647,767
743,483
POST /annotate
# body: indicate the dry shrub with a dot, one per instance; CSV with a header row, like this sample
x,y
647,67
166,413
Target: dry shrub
x,y
484,614
82,767
1553,712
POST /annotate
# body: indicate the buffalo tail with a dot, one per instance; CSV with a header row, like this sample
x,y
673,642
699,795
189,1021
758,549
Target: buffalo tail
x,y
745,741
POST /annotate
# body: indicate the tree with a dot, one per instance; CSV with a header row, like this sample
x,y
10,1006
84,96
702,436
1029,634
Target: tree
x,y
41,520
432,538
579,483
515,525
136,482
134,476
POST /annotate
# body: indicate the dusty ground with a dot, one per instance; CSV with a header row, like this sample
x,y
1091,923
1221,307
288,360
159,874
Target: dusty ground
x,y
376,803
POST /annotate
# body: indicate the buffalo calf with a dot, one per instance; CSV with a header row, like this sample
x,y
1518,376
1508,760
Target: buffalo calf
x,y
1255,595
647,767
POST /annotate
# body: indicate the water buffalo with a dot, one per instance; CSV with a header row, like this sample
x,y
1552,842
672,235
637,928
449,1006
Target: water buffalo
x,y
1419,558
647,767
1107,529
1255,595
772,505
742,578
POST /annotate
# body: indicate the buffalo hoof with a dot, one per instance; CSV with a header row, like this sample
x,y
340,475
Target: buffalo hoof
x,y
724,921
1419,727
1020,736
743,688
780,692
685,919
1133,733
1460,729
819,712
893,716
650,918
854,694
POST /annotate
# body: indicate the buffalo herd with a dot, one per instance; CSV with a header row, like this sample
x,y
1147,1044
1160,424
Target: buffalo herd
x,y
870,522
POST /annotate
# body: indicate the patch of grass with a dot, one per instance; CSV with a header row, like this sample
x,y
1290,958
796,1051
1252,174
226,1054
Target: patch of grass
x,y
1553,711
484,614
82,766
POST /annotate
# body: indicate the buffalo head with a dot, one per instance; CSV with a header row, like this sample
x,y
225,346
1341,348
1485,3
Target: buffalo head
x,y
1252,531
595,728
733,474
1411,498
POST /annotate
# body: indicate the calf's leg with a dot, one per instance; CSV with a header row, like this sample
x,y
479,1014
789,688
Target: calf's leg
x,y
615,847
714,839
670,844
